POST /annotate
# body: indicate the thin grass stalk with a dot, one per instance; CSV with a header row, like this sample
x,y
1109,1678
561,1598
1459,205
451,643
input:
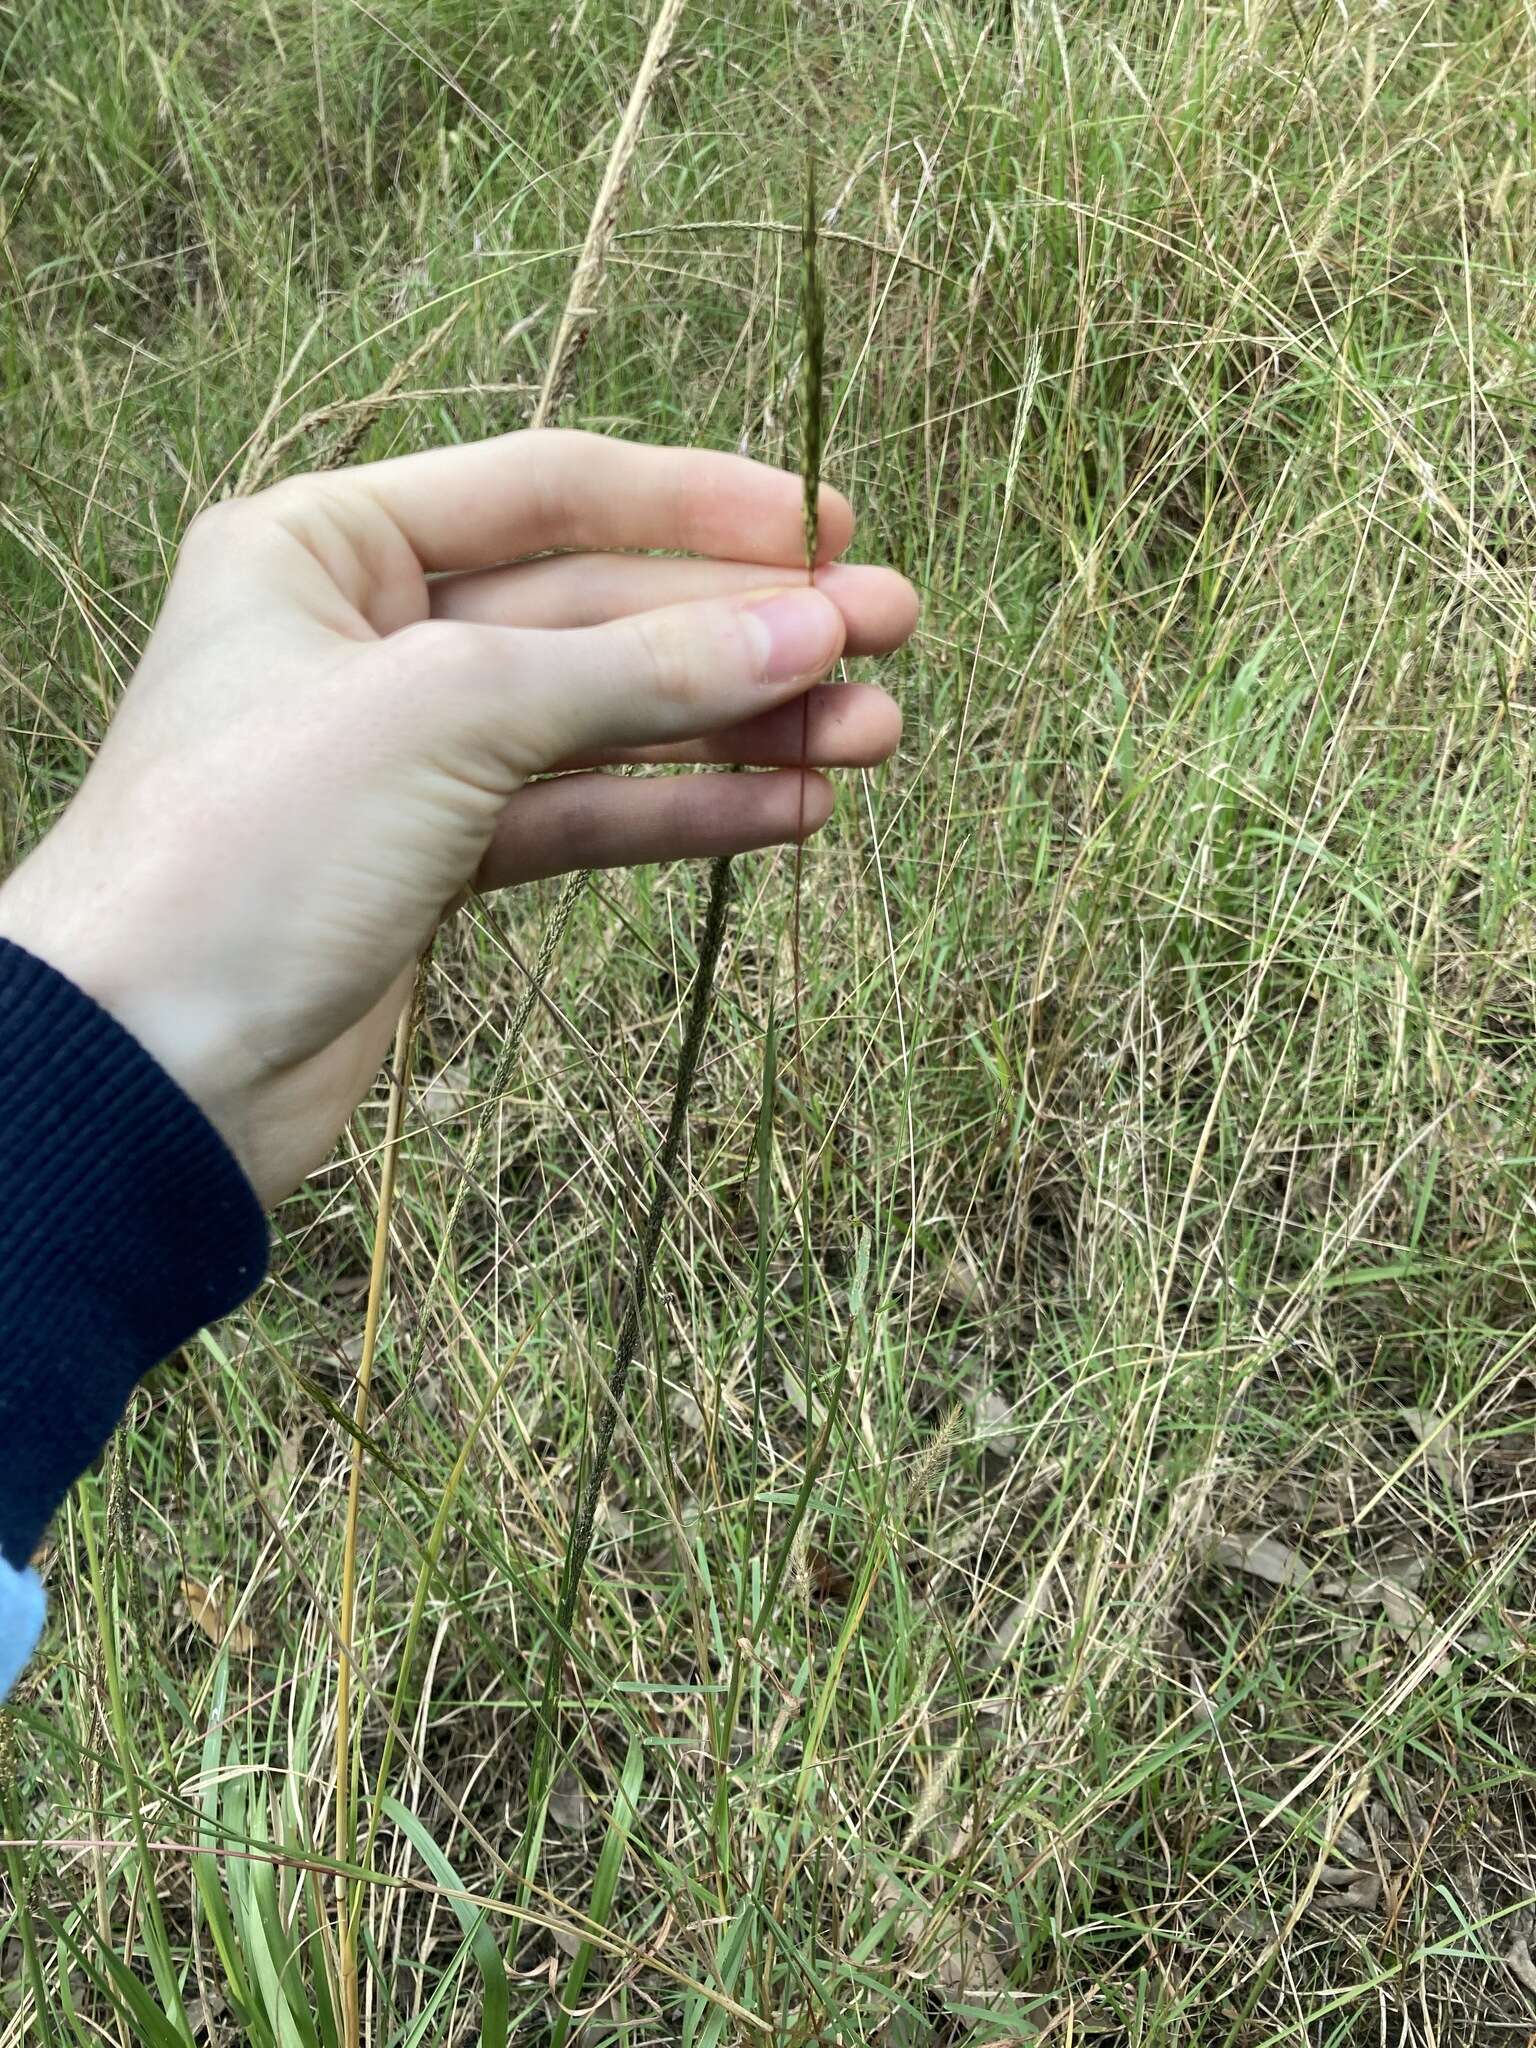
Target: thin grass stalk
x,y
570,340
586,279
813,430
425,1580
102,1573
711,942
812,446
348,1903
570,337
627,1343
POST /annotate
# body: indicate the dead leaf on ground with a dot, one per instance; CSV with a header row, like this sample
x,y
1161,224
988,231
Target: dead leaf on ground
x,y
1262,1557
1440,1438
963,1285
1482,1642
568,1807
1391,1583
969,1967
1517,1960
828,1580
205,1608
1039,1600
909,1915
991,1417
614,1522
684,1409
1467,1878
1354,1845
447,1092
203,2014
1361,1895
283,1470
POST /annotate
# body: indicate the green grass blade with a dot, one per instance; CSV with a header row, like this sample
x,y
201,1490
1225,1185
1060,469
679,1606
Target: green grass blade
x,y
604,1884
474,1921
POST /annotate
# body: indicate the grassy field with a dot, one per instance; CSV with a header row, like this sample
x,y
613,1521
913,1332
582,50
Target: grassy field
x,y
1067,1571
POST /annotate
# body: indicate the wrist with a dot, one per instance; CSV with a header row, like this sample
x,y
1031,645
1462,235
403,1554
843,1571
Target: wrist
x,y
96,949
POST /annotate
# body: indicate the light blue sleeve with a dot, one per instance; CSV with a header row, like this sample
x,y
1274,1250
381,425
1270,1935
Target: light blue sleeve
x,y
21,1620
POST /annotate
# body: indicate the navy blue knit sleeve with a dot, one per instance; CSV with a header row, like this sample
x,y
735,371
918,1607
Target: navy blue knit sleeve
x,y
125,1225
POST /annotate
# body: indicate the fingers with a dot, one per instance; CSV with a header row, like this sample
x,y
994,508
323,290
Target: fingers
x,y
527,700
520,494
607,821
879,607
833,725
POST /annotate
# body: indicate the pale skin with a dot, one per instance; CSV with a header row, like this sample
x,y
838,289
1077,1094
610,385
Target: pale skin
x,y
337,727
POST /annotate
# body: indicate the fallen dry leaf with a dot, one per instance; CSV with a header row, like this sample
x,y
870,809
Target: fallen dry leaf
x,y
283,1470
1354,1845
1517,1960
1467,1878
963,1286
909,1914
568,1807
446,1093
614,1521
991,1416
685,1409
1391,1583
1441,1442
1262,1557
828,1580
1040,1599
968,1967
1362,1896
206,1610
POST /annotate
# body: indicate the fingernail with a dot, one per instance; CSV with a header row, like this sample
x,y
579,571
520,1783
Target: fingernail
x,y
793,629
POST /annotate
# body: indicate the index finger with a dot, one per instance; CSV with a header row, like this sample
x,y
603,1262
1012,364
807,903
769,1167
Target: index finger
x,y
526,493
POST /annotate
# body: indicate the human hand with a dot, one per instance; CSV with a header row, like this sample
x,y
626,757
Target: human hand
x,y
333,732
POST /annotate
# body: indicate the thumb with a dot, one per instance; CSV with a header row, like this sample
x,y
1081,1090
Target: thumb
x,y
530,699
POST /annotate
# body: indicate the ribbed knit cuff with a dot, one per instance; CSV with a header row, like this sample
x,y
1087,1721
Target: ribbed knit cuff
x,y
126,1224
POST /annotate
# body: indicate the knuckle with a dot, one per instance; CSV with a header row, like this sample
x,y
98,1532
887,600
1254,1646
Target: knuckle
x,y
549,458
308,506
663,671
696,813
220,523
290,506
290,497
431,647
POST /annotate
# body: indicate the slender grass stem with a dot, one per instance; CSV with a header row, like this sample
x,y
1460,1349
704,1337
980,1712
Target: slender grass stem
x,y
581,298
627,1343
347,1907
